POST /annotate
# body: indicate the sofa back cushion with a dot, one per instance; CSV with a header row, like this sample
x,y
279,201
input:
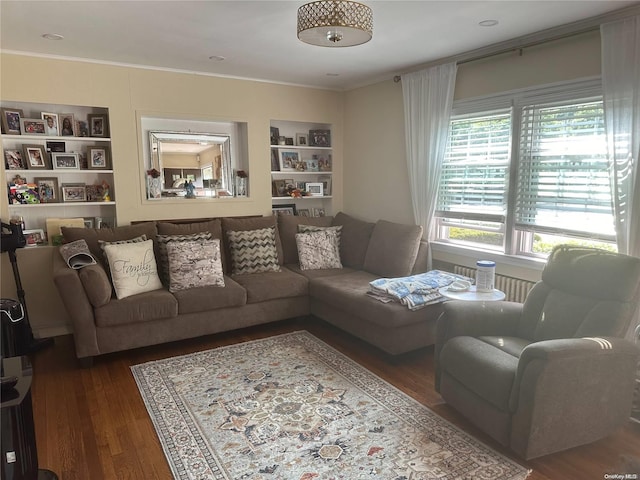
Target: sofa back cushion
x,y
115,234
288,228
354,239
393,249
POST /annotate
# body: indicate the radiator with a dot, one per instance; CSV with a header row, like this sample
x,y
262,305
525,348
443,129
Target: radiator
x,y
515,289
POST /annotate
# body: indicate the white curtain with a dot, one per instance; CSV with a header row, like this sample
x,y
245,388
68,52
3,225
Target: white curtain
x,y
621,87
428,97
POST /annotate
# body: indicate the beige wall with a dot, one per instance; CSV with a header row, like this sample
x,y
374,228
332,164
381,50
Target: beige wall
x,y
130,92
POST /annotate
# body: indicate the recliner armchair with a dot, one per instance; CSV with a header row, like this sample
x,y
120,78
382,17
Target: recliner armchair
x,y
552,373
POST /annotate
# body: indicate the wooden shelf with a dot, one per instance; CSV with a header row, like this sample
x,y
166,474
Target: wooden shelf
x,y
296,172
58,204
29,138
298,147
302,198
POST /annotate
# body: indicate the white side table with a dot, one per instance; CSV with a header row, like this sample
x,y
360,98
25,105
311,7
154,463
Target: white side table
x,y
472,296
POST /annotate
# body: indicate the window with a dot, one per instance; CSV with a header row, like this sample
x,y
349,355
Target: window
x,y
522,178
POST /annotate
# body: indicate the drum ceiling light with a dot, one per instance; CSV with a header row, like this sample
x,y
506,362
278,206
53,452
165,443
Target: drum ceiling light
x,y
335,23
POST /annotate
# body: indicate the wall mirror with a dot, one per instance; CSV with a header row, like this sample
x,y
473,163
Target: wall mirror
x,y
191,158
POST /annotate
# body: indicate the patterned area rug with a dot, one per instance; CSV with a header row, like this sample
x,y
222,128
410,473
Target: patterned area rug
x,y
291,407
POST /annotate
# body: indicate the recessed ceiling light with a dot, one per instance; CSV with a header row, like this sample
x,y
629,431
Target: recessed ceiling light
x,y
333,74
217,58
52,36
488,23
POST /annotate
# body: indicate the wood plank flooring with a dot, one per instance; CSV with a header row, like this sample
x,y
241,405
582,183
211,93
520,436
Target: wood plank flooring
x,y
91,424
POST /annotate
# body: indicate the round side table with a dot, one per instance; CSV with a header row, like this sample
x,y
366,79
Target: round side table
x,y
472,295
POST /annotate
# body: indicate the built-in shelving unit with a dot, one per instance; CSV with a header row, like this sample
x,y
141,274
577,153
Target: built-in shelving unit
x,y
301,158
90,175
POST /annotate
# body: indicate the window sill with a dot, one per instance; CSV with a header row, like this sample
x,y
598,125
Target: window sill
x,y
527,268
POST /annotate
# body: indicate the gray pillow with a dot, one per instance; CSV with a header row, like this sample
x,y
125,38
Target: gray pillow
x,y
194,263
163,256
253,251
318,250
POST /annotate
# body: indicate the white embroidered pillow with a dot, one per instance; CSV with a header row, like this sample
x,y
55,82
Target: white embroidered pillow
x,y
133,268
194,263
302,228
318,250
163,257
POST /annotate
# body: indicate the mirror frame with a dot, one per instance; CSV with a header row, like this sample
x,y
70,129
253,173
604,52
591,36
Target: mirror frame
x,y
225,184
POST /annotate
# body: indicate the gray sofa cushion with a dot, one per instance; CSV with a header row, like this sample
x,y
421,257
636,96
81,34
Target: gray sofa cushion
x,y
354,239
97,284
273,285
203,299
348,292
214,227
143,307
288,227
393,249
327,272
487,371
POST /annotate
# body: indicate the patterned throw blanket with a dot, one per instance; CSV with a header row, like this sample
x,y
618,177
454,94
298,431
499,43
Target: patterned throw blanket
x,y
415,291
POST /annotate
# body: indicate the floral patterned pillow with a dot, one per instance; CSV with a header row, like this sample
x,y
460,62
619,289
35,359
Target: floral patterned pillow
x,y
318,250
194,263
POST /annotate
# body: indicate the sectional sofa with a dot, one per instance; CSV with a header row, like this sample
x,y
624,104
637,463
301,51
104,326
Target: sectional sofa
x,y
103,323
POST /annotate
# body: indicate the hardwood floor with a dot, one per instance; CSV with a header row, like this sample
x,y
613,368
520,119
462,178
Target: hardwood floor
x,y
91,424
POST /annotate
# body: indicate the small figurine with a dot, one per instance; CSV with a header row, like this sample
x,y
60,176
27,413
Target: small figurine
x,y
190,188
106,196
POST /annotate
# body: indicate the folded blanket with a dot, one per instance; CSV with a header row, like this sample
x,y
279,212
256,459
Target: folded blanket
x,y
415,291
76,254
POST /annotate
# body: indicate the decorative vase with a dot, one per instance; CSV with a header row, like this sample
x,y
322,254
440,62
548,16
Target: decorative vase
x,y
154,187
241,186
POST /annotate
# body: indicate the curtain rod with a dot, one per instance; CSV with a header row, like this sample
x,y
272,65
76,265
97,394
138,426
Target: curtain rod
x,y
532,40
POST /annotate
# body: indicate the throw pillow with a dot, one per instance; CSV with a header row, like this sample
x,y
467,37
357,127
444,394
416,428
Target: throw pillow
x,y
253,251
103,243
133,268
194,263
318,250
163,256
314,228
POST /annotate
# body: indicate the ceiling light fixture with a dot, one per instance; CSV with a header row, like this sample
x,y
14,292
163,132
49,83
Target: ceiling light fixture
x,y
335,23
52,36
488,23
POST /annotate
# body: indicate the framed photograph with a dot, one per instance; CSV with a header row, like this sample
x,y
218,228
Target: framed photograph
x,y
73,192
326,181
279,188
324,162
88,222
82,128
65,161
51,123
57,147
95,193
320,138
304,212
98,158
302,186
35,237
315,189
13,160
275,161
288,141
35,157
47,189
97,125
11,120
284,209
302,139
318,212
33,126
67,125
274,135
288,160
311,164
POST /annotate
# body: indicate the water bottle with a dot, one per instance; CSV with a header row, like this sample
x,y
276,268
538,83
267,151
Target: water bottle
x,y
485,275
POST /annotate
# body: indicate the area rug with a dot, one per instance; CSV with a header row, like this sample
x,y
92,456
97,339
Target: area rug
x,y
290,407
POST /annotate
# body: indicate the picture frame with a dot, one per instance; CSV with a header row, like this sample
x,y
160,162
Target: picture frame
x,y
311,164
34,237
13,160
302,139
304,212
326,181
67,125
51,123
82,128
88,222
274,135
65,161
275,161
33,126
74,192
324,162
35,157
11,121
319,138
288,141
288,160
315,189
279,188
54,146
284,209
47,189
318,212
99,158
98,126
94,193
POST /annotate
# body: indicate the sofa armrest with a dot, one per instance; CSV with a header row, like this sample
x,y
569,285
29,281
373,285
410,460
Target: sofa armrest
x,y
78,307
569,392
